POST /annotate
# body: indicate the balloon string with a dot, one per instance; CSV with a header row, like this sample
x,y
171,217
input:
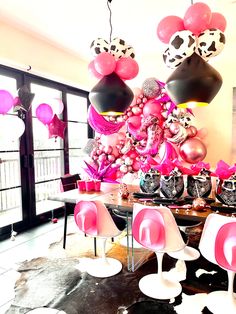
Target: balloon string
x,y
108,5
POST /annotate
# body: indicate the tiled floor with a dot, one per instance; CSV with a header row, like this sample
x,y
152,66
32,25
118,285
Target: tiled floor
x,y
26,246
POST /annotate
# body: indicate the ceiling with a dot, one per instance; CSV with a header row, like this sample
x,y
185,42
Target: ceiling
x,y
73,24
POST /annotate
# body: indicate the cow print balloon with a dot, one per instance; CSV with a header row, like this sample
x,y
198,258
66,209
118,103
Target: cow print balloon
x,y
99,45
210,43
129,52
182,43
117,48
172,61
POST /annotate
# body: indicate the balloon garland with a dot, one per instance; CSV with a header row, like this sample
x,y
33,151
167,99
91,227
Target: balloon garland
x,y
199,31
151,131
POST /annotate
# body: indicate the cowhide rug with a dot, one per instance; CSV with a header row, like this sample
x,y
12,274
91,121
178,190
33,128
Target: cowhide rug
x,y
59,281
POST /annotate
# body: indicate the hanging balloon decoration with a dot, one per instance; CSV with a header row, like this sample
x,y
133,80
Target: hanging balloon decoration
x,y
56,128
6,101
12,128
44,113
23,101
199,31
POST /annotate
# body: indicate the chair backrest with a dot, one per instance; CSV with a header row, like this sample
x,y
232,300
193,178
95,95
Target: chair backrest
x,y
218,240
155,228
93,218
69,182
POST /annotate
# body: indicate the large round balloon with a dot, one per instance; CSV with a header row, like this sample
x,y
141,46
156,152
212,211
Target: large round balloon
x,y
99,45
6,101
117,48
197,18
182,44
153,107
104,63
168,26
44,113
127,68
218,21
93,71
210,43
192,150
171,60
12,127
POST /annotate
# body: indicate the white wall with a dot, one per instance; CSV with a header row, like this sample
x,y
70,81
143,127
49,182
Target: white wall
x,y
21,49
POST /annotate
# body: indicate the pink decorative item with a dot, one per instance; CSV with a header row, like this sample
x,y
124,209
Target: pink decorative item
x,y
168,26
89,185
218,21
56,128
192,150
104,63
93,71
97,185
197,18
85,215
127,68
44,113
81,185
6,101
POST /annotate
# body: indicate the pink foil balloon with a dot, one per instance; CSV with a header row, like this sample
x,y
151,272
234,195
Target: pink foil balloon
x,y
192,150
6,101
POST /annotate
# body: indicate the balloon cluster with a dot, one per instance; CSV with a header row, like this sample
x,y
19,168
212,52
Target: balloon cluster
x,y
200,31
48,115
151,130
111,57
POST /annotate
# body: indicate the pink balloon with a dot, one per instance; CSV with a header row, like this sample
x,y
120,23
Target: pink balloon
x,y
175,127
192,131
218,21
127,68
192,150
6,101
168,26
92,70
167,152
197,18
104,63
44,113
152,107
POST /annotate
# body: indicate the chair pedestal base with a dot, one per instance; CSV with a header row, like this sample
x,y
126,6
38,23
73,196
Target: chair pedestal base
x,y
187,254
102,268
158,287
219,302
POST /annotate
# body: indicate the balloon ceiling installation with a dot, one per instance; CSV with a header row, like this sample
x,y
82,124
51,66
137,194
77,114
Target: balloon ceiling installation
x,y
191,42
113,63
153,131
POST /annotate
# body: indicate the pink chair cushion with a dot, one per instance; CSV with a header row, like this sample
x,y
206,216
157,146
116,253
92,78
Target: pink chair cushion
x,y
225,246
149,230
85,215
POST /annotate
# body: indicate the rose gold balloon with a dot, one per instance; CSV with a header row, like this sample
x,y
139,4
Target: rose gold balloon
x,y
192,131
174,127
192,150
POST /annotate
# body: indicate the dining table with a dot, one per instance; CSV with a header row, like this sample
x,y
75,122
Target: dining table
x,y
110,194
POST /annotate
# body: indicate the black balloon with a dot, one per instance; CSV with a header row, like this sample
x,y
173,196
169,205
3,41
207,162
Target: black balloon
x,y
111,94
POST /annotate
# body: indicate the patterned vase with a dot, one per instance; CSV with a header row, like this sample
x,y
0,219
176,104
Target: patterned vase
x,y
226,191
199,186
171,186
150,181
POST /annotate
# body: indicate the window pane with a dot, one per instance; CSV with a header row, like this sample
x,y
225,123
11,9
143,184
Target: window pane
x,y
76,108
77,134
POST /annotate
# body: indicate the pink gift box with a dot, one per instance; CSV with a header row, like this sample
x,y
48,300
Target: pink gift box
x,y
89,185
81,185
